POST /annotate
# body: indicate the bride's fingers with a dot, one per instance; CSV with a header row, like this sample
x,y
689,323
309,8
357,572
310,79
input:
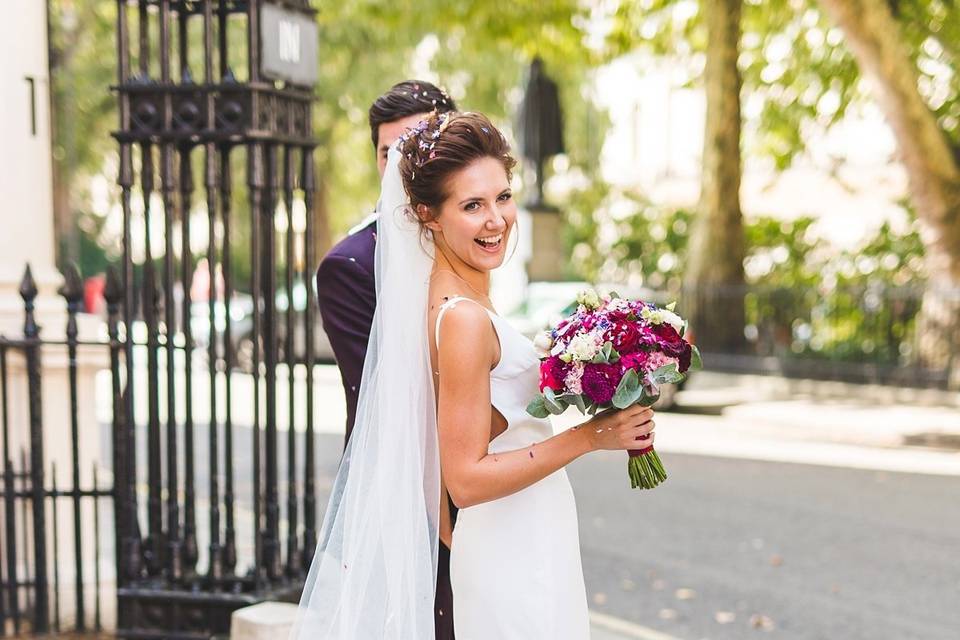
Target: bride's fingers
x,y
634,415
638,411
639,441
644,424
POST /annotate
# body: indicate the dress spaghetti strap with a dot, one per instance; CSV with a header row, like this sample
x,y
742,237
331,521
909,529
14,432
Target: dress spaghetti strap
x,y
448,304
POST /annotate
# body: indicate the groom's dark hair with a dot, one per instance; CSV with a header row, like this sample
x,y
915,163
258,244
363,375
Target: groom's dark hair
x,y
404,99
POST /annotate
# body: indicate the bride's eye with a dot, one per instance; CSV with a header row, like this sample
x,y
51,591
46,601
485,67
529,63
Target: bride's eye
x,y
472,206
505,196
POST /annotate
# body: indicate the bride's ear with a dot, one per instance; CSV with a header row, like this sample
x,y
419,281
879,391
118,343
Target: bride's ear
x,y
427,218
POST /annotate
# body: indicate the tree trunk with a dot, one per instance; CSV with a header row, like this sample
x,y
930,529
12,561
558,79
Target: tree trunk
x,y
713,279
932,167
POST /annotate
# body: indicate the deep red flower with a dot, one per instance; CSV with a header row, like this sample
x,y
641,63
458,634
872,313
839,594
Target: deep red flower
x,y
552,372
624,335
666,333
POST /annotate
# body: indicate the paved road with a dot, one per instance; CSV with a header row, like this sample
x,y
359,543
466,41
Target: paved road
x,y
727,548
731,546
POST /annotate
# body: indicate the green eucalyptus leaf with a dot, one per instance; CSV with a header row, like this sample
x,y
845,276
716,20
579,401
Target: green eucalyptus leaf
x,y
628,391
576,400
696,362
538,408
556,407
554,404
648,395
667,374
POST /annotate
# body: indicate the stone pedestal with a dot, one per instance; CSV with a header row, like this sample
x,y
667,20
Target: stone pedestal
x,y
264,621
548,258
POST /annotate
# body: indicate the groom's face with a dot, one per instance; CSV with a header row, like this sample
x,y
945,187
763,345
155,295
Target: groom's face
x,y
388,132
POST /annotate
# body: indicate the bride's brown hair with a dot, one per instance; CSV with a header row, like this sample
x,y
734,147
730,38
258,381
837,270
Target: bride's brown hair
x,y
439,147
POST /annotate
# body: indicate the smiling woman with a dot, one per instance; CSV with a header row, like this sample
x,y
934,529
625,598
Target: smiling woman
x,y
515,561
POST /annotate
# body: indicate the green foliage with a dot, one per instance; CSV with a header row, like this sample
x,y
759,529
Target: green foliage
x,y
478,50
804,296
617,236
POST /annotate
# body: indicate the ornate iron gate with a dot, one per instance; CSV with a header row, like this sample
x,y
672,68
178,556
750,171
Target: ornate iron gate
x,y
170,584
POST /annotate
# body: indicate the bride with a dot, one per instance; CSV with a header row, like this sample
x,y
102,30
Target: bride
x,y
441,423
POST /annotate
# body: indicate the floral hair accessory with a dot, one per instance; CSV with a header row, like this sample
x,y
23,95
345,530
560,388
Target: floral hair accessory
x,y
425,141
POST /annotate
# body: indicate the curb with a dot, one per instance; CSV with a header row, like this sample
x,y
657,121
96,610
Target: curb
x,y
607,627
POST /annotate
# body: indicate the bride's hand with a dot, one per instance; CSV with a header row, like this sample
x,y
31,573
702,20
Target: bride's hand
x,y
620,428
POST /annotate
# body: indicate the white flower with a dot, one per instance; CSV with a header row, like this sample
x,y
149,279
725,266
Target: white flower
x,y
661,316
582,347
673,320
557,349
588,298
543,342
618,304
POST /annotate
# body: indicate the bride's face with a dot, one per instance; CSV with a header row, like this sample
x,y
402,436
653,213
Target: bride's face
x,y
478,215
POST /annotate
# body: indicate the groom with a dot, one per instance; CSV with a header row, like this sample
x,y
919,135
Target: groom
x,y
346,291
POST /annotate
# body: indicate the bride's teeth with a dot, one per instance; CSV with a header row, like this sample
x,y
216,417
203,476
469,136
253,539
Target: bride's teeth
x,y
492,240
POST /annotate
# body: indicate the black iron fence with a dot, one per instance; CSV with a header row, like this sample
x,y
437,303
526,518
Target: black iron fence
x,y
214,132
883,334
52,550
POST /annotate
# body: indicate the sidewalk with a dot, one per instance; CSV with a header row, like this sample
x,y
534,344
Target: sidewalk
x,y
864,415
834,424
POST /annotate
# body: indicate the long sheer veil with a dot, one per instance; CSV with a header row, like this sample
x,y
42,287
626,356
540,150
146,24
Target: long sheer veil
x,y
374,572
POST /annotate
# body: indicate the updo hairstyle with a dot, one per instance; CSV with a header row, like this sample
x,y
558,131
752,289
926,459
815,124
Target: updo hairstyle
x,y
440,146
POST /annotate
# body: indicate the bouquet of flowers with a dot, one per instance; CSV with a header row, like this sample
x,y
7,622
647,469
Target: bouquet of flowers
x,y
613,352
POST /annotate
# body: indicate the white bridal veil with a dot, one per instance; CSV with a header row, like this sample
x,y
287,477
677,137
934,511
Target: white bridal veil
x,y
373,575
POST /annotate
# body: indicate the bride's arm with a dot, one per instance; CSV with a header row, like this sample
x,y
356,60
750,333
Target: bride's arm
x,y
466,352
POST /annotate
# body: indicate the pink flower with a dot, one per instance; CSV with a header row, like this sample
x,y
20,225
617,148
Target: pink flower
x,y
574,378
657,359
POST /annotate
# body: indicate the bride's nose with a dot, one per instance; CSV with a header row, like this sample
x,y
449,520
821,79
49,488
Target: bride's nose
x,y
495,222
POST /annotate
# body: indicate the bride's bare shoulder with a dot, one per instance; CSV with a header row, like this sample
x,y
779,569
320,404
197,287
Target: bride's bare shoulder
x,y
463,320
466,347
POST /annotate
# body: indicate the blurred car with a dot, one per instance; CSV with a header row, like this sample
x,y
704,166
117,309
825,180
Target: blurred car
x,y
547,303
241,316
241,320
322,350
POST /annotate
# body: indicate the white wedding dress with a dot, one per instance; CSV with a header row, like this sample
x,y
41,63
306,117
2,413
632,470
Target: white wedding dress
x,y
515,563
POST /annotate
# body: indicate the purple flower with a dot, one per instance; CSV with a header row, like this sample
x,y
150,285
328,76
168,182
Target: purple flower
x,y
600,381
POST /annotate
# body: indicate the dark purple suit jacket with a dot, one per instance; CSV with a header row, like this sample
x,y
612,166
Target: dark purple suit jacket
x,y
347,296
